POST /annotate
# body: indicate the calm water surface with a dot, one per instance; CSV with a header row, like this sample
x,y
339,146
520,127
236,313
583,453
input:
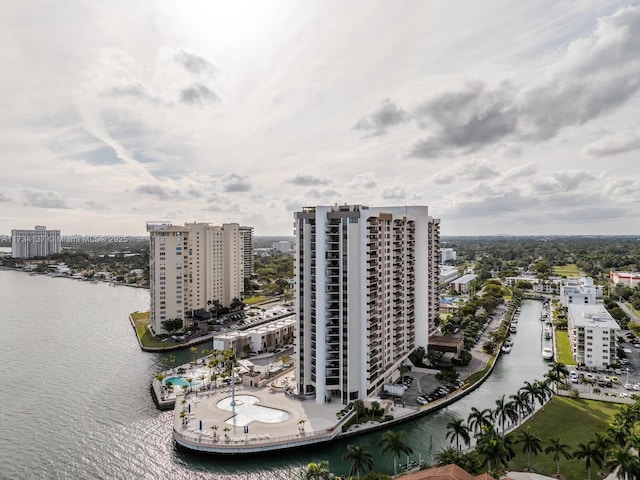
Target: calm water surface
x,y
76,402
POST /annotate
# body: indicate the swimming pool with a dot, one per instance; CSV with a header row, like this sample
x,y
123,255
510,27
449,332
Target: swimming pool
x,y
180,382
247,411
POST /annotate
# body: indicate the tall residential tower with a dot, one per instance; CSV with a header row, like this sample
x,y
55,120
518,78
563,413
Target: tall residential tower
x,y
193,266
363,291
39,242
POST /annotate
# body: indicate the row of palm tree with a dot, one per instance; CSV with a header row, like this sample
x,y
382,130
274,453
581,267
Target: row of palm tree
x,y
362,460
514,410
617,447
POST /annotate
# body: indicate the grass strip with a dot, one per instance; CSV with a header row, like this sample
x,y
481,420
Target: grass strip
x,y
575,421
563,348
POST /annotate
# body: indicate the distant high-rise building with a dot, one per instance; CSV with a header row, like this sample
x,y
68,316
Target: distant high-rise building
x,y
246,233
363,280
193,266
39,242
282,246
447,254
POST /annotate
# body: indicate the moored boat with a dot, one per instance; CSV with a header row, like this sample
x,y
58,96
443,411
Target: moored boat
x,y
547,353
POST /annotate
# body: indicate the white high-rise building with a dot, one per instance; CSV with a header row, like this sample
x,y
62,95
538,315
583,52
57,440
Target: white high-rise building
x,y
39,242
191,267
362,292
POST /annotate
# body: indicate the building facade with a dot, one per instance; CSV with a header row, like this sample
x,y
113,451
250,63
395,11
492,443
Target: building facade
x,y
246,234
433,249
261,338
38,242
447,255
462,284
362,294
592,335
630,279
191,267
579,291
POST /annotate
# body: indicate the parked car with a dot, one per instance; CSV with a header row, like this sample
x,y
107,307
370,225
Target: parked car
x,y
422,400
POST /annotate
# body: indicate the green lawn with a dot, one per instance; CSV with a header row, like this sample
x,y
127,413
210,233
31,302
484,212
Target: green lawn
x,y
574,421
570,270
254,299
563,348
141,320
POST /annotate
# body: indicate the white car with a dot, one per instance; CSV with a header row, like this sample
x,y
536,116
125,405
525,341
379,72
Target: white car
x,y
422,400
628,386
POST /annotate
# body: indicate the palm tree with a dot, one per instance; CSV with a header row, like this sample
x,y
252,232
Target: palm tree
x,y
558,449
557,372
521,404
393,442
448,456
215,431
479,418
544,389
193,350
504,411
625,461
361,460
590,454
618,434
402,369
456,429
494,448
317,471
530,444
531,393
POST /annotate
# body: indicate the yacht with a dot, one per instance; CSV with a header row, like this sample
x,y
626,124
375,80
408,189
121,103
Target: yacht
x,y
547,353
547,333
506,348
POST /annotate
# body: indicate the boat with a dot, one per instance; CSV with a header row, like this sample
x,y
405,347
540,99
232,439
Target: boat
x,y
513,328
547,353
547,333
506,348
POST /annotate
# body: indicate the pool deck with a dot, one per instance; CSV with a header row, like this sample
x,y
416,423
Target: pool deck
x,y
319,422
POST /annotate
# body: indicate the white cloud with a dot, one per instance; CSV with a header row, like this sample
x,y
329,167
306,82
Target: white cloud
x,y
523,119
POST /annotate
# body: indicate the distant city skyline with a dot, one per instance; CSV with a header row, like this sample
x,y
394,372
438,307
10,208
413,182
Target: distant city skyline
x,y
503,117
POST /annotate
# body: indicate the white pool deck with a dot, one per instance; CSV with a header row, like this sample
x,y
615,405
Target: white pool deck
x,y
320,422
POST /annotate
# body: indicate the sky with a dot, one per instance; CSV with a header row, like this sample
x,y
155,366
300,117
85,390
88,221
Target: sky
x,y
503,117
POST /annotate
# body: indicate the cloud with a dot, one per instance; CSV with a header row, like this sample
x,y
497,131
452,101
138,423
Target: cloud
x,y
593,76
620,142
236,183
134,89
363,180
93,205
394,193
161,193
198,94
561,182
325,195
465,119
194,63
309,180
473,169
41,199
387,115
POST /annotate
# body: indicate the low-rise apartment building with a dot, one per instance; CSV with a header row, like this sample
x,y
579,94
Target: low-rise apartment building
x,y
592,335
